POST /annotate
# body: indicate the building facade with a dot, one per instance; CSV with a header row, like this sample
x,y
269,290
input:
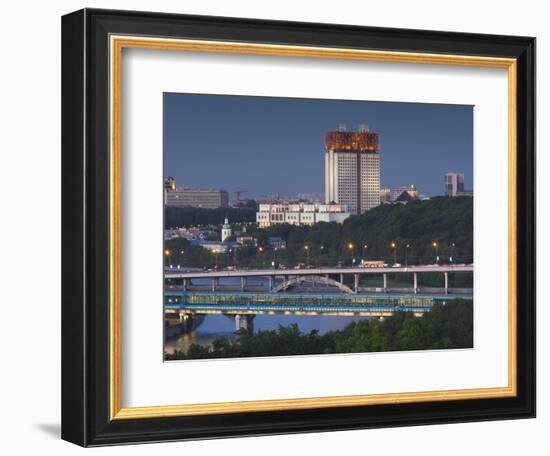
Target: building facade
x,y
454,184
193,197
226,230
277,242
246,239
169,184
390,195
352,169
300,214
216,246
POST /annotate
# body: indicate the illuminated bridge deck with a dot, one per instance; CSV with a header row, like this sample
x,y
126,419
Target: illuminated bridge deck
x,y
296,303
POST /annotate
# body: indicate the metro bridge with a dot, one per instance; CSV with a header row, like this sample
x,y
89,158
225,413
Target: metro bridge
x,y
283,279
185,307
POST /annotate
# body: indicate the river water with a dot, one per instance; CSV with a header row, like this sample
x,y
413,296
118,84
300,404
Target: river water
x,y
217,325
214,326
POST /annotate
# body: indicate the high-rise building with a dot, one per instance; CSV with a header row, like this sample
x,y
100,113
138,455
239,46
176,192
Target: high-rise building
x,y
454,184
352,168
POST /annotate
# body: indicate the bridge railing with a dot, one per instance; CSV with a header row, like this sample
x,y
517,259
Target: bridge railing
x,y
343,301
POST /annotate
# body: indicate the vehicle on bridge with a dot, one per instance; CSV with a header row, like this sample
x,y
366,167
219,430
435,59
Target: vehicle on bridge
x,y
373,264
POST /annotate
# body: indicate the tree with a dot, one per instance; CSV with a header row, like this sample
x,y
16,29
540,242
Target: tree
x,y
445,326
417,224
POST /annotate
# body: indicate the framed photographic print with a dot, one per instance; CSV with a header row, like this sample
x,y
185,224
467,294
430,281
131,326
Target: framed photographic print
x,y
277,227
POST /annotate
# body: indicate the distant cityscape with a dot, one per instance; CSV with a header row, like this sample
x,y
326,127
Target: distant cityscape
x,y
352,186
288,233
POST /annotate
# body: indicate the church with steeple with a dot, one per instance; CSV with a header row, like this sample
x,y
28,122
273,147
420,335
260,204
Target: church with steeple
x,y
226,230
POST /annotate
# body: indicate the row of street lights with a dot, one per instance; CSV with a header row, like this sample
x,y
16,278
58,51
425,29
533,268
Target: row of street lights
x,y
393,246
168,254
351,248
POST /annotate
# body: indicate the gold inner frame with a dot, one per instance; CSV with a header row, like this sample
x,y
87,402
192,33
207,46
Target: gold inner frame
x,y
117,44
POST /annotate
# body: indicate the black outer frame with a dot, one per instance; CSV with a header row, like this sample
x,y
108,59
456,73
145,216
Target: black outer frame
x,y
85,226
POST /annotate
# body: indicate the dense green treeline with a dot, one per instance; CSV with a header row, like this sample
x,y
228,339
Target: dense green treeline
x,y
418,225
446,326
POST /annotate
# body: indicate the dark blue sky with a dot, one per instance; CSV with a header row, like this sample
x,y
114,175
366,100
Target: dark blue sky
x,y
276,145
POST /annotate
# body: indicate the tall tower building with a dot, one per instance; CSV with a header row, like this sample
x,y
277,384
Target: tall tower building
x,y
226,230
454,184
352,168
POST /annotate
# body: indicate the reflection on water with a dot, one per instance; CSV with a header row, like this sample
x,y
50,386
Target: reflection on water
x,y
214,326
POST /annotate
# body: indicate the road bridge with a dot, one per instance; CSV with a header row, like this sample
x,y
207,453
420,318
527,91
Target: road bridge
x,y
282,279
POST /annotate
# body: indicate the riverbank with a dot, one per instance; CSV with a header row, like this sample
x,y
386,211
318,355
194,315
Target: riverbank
x,y
446,326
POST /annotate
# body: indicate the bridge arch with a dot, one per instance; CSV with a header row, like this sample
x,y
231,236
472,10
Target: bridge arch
x,y
296,280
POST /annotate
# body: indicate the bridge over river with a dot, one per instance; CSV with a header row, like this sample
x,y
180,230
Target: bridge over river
x,y
186,306
283,279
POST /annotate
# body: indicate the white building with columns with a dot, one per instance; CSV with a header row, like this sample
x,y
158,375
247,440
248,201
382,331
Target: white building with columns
x,y
300,214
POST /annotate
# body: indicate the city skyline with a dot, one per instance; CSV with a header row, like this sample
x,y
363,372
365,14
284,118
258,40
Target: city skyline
x,y
211,139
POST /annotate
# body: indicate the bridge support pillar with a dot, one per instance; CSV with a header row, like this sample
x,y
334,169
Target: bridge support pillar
x,y
270,281
342,279
244,283
215,283
446,282
185,284
356,282
187,321
385,276
415,283
244,323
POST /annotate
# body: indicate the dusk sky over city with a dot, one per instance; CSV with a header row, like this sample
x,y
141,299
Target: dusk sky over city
x,y
276,145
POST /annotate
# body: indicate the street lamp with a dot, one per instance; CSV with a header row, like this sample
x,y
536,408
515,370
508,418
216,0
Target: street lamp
x,y
306,248
407,255
365,247
435,246
261,250
350,247
394,247
167,254
452,252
